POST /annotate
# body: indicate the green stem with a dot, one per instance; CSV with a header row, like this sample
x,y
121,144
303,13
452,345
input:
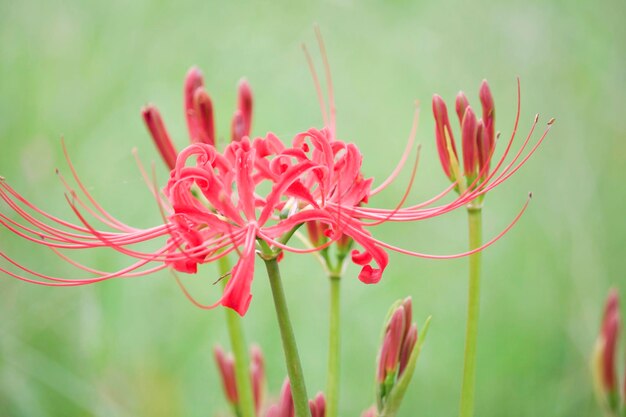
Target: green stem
x,y
238,345
473,306
294,368
332,385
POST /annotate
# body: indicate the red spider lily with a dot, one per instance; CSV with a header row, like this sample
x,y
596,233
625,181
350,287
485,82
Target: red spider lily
x,y
212,209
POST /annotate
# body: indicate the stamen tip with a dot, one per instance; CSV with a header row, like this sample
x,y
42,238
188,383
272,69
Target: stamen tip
x,y
56,171
530,194
551,121
2,178
536,117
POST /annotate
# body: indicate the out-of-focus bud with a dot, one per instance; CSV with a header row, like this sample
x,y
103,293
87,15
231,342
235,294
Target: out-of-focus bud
x,y
285,403
226,364
237,126
316,231
244,105
444,137
203,118
370,412
161,138
257,374
318,405
469,142
193,81
489,116
603,361
285,406
461,104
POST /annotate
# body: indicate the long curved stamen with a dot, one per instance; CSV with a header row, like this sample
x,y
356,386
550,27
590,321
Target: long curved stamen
x,y
329,80
87,194
316,82
190,297
403,158
453,256
406,192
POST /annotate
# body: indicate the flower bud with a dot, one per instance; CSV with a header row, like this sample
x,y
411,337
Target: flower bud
x,y
392,343
193,81
408,345
244,105
604,366
257,374
489,116
469,142
444,137
203,115
461,104
226,364
161,138
237,126
285,403
318,405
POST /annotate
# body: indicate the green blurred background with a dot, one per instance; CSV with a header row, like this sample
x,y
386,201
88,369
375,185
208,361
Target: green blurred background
x,y
82,70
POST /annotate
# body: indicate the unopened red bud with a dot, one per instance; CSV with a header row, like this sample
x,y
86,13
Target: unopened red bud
x,y
285,403
317,406
408,314
393,341
257,374
610,334
469,141
161,138
410,340
226,364
244,105
482,145
461,104
203,116
489,114
443,134
237,126
193,81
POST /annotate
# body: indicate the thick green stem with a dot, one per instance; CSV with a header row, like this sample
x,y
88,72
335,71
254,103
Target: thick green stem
x,y
238,345
332,385
473,306
294,368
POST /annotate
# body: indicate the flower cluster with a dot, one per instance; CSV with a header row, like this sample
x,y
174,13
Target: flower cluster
x,y
217,203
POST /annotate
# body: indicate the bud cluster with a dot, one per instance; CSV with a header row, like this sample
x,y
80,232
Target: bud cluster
x,y
604,364
477,137
399,341
226,366
285,407
199,115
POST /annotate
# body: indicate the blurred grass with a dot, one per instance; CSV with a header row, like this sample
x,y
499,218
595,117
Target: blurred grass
x,y
82,70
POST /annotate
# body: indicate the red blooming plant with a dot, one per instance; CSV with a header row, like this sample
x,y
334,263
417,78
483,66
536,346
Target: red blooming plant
x,y
250,198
